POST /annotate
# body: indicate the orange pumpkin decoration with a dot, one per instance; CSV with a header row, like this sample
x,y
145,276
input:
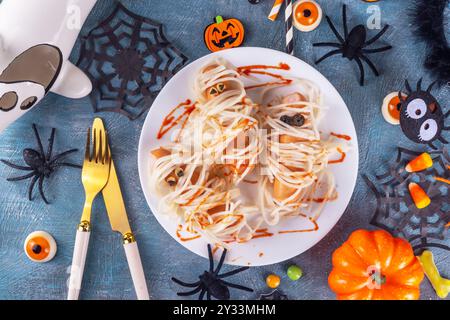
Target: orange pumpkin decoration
x,y
224,34
373,265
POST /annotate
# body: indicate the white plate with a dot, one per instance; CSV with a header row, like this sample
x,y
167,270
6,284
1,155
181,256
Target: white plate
x,y
280,247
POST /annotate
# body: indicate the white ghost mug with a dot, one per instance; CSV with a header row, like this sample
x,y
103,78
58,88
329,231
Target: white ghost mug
x,y
36,39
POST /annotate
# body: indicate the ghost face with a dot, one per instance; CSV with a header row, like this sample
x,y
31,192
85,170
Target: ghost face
x,y
421,117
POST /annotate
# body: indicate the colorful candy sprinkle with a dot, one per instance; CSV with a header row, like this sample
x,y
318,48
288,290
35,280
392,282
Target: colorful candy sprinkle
x,y
273,281
294,272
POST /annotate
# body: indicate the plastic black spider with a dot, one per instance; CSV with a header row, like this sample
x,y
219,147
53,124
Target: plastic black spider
x,y
396,212
211,282
353,45
128,59
40,164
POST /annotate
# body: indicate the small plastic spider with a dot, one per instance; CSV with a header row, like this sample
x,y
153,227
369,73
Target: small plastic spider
x,y
40,164
353,45
211,282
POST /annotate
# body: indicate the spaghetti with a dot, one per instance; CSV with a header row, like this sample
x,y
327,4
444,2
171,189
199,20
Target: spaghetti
x,y
226,138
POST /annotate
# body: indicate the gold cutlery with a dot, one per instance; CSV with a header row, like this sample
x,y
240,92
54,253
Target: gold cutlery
x,y
95,174
119,222
99,174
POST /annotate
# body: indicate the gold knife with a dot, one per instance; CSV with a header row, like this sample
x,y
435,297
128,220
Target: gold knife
x,y
119,222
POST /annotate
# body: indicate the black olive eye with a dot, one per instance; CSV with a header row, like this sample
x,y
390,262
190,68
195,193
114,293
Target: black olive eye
x,y
286,119
179,172
428,130
416,109
298,120
221,87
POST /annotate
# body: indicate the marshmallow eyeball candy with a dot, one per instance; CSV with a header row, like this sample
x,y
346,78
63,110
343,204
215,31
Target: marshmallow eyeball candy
x,y
40,246
307,15
391,108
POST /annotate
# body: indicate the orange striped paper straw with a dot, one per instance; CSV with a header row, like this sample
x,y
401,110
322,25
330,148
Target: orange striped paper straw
x,y
275,10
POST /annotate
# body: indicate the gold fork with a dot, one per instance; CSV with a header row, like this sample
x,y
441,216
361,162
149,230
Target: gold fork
x,y
94,176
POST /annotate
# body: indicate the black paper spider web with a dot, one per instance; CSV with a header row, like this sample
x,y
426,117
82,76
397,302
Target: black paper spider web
x,y
128,59
397,213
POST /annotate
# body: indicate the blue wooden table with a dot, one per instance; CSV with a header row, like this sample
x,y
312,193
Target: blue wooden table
x,y
106,274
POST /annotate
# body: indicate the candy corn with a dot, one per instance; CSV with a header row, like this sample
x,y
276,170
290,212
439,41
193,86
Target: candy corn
x,y
420,163
419,196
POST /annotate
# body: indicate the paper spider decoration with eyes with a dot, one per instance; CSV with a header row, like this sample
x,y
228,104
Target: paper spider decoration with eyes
x,y
353,45
421,116
399,212
128,59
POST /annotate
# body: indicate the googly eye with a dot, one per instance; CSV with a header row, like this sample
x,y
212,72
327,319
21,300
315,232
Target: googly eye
x,y
416,109
221,87
40,246
428,130
307,15
391,108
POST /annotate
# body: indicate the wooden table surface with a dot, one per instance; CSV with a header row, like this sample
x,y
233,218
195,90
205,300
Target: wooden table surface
x,y
106,275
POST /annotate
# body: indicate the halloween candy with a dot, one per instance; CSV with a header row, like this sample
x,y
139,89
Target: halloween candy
x,y
440,284
307,15
273,281
420,163
390,108
40,246
419,196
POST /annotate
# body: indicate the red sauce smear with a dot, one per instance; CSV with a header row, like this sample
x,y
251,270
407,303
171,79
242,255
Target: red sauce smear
x,y
179,229
260,254
262,235
171,121
341,159
256,69
315,228
341,136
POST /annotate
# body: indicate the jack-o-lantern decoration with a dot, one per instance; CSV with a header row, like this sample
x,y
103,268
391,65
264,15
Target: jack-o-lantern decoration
x,y
224,34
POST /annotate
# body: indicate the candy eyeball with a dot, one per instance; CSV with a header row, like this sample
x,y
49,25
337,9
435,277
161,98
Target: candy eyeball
x,y
40,246
391,108
307,15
